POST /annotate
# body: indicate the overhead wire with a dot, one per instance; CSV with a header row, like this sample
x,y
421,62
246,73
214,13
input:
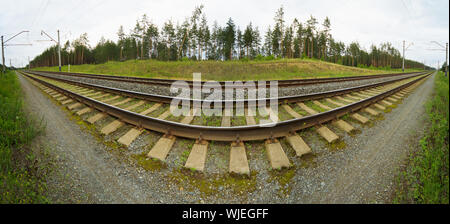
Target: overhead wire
x,y
68,14
38,12
75,15
42,13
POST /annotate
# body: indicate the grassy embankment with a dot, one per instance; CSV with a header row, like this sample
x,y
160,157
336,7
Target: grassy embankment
x,y
21,176
225,70
425,180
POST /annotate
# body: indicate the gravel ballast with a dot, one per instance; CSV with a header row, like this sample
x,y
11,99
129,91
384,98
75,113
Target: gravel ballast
x,y
282,91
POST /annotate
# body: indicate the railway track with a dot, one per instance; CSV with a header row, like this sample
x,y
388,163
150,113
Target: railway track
x,y
296,113
168,99
169,82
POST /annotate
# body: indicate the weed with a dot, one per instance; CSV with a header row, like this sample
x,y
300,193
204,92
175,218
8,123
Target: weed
x,y
21,174
426,178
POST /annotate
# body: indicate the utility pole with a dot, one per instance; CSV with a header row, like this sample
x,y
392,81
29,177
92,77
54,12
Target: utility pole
x,y
404,49
29,64
403,61
3,57
59,46
446,59
446,54
59,52
3,48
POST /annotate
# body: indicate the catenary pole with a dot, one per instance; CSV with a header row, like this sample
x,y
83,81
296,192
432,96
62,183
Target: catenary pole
x,y
446,59
59,52
446,54
3,48
405,49
3,57
403,61
59,46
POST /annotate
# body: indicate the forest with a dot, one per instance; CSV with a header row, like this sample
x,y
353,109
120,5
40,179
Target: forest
x,y
195,40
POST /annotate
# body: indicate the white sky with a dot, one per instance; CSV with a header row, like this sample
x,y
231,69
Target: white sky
x,y
365,21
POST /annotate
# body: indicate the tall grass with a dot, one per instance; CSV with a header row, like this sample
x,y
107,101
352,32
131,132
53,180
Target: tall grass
x,y
18,180
223,70
425,181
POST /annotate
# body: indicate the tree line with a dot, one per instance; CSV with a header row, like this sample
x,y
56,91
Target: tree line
x,y
193,39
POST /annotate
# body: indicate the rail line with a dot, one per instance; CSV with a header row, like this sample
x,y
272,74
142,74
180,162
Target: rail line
x,y
168,82
267,101
365,98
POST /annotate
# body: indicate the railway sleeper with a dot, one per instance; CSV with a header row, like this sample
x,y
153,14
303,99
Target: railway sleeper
x,y
341,124
326,133
291,112
371,111
344,99
133,133
74,106
162,147
379,106
298,144
335,103
360,118
322,130
277,157
226,118
116,124
238,159
84,111
62,98
197,156
160,151
67,101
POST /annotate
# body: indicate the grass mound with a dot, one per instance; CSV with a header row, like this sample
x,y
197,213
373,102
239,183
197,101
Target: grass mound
x,y
224,70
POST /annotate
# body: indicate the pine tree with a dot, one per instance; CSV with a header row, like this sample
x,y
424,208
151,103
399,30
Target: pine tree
x,y
240,43
326,35
310,32
276,40
229,39
121,35
256,42
279,29
248,38
268,42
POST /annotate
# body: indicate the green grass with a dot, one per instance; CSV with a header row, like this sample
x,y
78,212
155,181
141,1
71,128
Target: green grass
x,y
224,70
21,177
425,180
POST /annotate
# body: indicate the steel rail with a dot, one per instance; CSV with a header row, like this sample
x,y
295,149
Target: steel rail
x,y
168,82
263,101
237,133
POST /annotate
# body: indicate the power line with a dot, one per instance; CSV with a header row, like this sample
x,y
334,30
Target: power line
x,y
61,19
42,12
38,12
407,9
84,12
76,14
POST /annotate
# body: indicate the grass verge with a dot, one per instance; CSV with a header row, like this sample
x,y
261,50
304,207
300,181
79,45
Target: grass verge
x,y
22,179
425,180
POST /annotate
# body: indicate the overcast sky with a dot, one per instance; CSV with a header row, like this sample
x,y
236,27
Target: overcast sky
x,y
417,21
